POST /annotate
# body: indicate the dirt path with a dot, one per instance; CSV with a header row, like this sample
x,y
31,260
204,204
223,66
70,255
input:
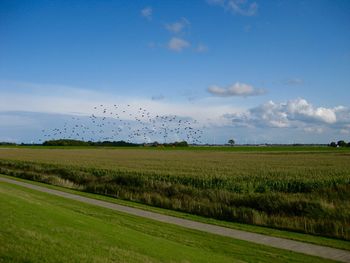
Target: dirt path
x,y
296,246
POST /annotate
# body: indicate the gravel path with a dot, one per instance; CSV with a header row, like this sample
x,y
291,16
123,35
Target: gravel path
x,y
296,246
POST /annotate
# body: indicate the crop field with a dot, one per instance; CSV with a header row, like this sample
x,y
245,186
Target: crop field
x,y
305,190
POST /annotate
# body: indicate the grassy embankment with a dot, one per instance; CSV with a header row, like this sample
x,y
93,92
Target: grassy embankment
x,y
318,240
38,227
299,191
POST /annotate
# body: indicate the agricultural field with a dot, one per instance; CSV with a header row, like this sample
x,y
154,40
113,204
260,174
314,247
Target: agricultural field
x,y
304,190
38,227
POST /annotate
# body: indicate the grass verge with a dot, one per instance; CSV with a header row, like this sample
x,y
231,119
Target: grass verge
x,y
41,227
341,244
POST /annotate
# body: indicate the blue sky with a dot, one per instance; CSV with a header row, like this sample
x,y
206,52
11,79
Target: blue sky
x,y
256,71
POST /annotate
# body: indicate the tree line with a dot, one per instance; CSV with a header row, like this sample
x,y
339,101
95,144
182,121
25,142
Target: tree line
x,y
69,142
340,143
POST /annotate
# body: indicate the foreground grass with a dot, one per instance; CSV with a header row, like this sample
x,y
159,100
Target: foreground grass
x,y
318,240
40,227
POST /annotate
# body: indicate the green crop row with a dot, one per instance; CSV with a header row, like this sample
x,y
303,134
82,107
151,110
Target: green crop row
x,y
316,203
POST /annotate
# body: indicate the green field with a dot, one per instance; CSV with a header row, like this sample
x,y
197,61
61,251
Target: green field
x,y
303,189
37,227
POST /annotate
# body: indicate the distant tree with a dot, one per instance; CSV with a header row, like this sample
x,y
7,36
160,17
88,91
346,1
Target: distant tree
x,y
7,143
348,145
333,144
69,142
231,142
155,144
175,144
65,142
181,144
341,143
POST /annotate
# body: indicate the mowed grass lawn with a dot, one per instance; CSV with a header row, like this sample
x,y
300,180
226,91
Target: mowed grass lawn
x,y
38,227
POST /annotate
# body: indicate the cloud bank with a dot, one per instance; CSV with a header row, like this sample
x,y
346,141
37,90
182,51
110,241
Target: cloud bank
x,y
28,108
59,99
297,113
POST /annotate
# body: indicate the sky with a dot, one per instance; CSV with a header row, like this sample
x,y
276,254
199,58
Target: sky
x,y
252,71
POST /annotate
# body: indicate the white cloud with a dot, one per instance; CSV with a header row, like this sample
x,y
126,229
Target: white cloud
x,y
294,81
301,109
239,7
242,7
237,89
178,26
296,113
247,28
216,2
343,115
147,13
178,44
314,130
201,48
345,131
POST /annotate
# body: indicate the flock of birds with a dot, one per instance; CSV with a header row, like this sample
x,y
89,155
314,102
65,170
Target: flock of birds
x,y
128,123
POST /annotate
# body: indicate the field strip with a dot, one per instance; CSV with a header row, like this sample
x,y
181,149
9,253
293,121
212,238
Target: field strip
x,y
296,246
